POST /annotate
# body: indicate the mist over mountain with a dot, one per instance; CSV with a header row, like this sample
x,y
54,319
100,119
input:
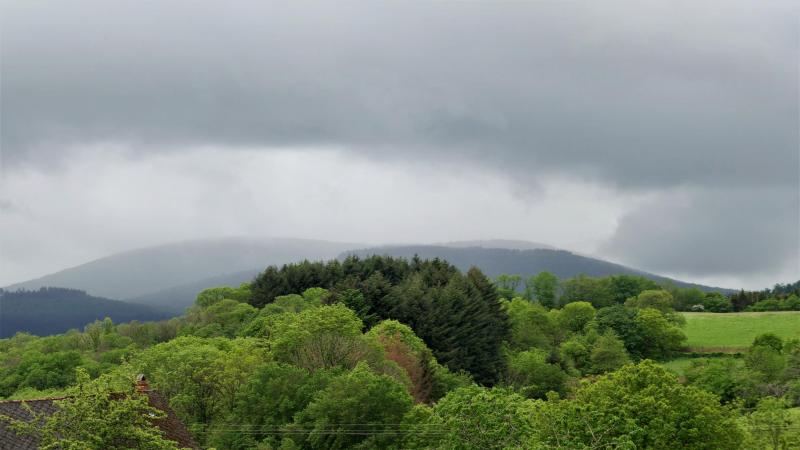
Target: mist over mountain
x,y
511,244
177,298
170,276
496,261
143,271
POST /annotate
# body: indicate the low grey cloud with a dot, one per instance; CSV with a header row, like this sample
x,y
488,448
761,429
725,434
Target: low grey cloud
x,y
693,105
635,94
712,233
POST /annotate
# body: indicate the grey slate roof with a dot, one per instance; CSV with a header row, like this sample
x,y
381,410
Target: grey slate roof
x,y
9,439
173,428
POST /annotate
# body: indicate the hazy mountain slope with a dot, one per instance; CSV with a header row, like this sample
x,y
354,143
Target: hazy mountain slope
x,y
55,310
177,298
143,271
496,261
180,297
497,243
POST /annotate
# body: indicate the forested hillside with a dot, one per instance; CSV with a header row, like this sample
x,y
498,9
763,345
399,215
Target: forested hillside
x,y
55,310
392,353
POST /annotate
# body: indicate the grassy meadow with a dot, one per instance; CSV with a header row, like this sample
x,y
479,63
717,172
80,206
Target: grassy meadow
x,y
733,332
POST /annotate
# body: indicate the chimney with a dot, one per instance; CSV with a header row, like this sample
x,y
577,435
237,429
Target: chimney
x,y
141,384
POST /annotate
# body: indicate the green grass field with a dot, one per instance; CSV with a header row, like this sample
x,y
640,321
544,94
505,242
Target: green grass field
x,y
732,332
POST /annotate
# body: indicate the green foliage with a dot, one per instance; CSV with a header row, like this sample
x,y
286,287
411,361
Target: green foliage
x,y
574,353
532,376
685,299
770,340
780,298
575,316
41,371
293,303
597,291
716,302
225,317
321,338
444,307
656,299
210,296
354,300
473,418
267,403
445,381
772,426
542,287
353,410
659,337
200,377
762,371
638,406
624,287
608,353
724,377
97,415
766,362
408,351
622,321
508,285
287,360
461,320
334,275
790,303
530,325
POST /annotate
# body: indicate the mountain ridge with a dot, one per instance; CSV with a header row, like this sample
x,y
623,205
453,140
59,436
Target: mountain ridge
x,y
138,272
497,261
171,275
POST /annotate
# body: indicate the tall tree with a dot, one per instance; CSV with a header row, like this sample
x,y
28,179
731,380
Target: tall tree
x,y
544,288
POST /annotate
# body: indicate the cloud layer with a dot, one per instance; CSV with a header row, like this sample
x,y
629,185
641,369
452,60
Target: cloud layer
x,y
684,115
109,201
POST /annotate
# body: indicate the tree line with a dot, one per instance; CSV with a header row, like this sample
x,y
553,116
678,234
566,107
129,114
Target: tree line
x,y
551,291
390,353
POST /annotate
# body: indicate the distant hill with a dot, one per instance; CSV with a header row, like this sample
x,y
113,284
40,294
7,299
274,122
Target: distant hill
x,y
496,261
183,296
171,275
48,311
149,270
178,298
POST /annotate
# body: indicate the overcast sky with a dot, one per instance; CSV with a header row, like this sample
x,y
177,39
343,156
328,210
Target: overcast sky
x,y
662,135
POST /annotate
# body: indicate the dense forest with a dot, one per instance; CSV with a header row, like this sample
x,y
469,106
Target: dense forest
x,y
53,310
782,297
385,352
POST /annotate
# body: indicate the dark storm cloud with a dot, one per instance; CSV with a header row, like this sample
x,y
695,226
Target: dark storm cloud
x,y
631,94
709,233
694,104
